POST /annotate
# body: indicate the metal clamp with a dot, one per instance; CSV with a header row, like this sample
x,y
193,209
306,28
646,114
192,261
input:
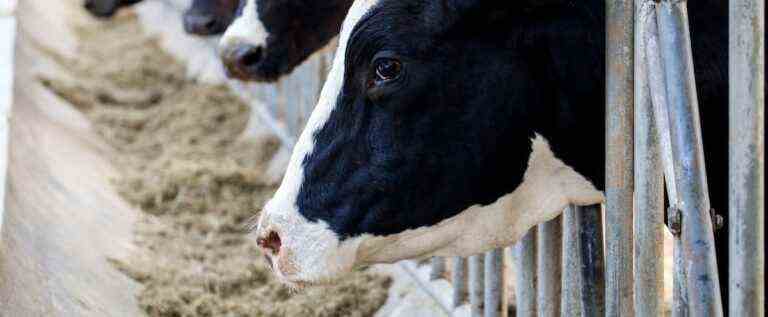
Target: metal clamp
x,y
675,220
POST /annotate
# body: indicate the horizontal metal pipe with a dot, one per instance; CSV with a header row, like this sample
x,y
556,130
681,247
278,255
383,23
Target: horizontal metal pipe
x,y
685,131
746,229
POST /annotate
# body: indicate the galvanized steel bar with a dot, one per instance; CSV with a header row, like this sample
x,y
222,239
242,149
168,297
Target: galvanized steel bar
x,y
437,268
685,131
459,280
525,274
590,223
746,223
657,85
619,182
649,184
476,281
549,241
570,301
495,299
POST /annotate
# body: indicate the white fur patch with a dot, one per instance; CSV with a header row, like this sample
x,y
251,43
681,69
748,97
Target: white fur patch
x,y
245,29
314,249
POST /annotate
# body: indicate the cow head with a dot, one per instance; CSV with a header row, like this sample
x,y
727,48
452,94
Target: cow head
x,y
431,109
106,8
209,17
269,38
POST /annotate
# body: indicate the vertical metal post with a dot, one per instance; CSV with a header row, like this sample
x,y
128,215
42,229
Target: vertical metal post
x,y
438,268
495,301
693,200
590,223
459,279
476,281
548,271
657,84
746,224
571,282
525,270
619,154
649,188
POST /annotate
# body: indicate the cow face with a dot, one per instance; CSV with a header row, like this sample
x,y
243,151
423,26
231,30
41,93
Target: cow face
x,y
269,38
430,108
209,17
106,8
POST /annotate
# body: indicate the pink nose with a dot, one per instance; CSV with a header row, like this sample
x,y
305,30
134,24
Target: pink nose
x,y
270,242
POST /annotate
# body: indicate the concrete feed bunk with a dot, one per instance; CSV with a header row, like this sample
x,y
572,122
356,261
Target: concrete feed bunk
x,y
133,124
62,218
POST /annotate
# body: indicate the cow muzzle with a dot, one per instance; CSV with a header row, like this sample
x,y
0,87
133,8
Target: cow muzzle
x,y
301,252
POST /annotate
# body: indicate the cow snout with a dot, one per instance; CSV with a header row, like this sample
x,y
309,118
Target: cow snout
x,y
241,59
202,24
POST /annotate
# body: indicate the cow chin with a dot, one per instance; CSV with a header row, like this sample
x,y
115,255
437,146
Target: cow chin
x,y
309,253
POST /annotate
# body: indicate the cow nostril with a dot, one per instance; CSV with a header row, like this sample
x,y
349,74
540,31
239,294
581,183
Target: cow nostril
x,y
251,56
88,5
270,242
210,25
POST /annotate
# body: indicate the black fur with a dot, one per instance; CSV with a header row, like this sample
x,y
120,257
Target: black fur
x,y
480,78
296,29
209,17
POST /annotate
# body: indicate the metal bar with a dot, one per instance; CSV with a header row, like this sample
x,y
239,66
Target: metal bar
x,y
649,184
590,222
657,85
570,301
746,285
495,301
619,154
476,281
679,287
693,200
438,268
525,271
549,241
459,279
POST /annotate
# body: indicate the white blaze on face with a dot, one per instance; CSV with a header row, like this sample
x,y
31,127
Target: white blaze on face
x,y
310,250
245,29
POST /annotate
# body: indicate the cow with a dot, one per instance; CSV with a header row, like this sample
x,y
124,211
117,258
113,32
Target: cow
x,y
106,8
269,38
209,17
450,127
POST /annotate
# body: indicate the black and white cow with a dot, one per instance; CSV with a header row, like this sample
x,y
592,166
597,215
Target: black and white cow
x,y
449,127
269,38
106,8
209,17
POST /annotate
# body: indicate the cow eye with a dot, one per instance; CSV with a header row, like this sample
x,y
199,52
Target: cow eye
x,y
387,69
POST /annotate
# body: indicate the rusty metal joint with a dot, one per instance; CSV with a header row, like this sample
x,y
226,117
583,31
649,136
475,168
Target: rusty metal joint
x,y
675,220
717,220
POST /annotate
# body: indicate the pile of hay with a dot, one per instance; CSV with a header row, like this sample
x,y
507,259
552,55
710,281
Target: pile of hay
x,y
176,143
